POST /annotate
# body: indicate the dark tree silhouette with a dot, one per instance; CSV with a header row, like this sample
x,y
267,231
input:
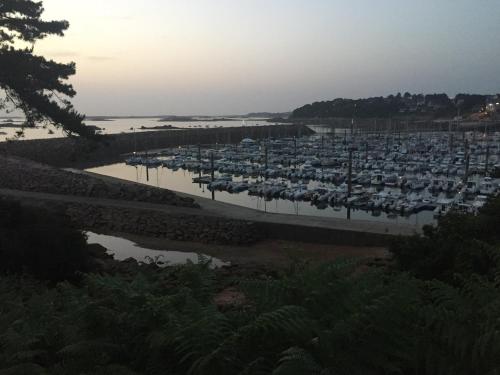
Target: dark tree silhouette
x,y
36,86
437,105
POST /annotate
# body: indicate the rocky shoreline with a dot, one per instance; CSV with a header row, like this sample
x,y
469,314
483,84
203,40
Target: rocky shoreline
x,y
179,227
101,204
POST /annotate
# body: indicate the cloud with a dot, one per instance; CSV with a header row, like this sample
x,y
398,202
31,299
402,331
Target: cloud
x,y
100,58
114,17
63,53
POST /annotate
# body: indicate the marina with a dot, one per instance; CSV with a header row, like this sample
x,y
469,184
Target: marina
x,y
411,178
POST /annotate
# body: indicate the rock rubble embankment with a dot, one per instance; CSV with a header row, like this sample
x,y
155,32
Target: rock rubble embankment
x,y
25,175
179,227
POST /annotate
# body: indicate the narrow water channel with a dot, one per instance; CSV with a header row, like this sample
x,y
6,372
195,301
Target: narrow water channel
x,y
122,249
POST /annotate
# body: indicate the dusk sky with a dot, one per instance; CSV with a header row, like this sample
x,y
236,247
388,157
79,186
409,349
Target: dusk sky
x,y
238,56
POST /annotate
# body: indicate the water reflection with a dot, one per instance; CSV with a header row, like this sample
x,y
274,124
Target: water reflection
x,y
118,125
123,249
181,180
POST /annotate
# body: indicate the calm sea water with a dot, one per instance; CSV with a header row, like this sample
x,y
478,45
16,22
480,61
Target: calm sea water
x,y
121,125
123,249
181,180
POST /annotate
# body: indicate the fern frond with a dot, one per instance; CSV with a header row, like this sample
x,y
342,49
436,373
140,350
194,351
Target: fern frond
x,y
297,361
99,351
24,369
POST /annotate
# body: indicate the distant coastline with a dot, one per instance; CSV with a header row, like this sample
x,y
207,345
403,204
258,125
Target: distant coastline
x,y
100,118
10,125
193,119
159,127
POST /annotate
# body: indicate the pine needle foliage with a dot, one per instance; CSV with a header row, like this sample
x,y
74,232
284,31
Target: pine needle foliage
x,y
30,83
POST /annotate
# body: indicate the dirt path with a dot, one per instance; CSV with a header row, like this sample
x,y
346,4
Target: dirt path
x,y
218,208
270,252
223,209
277,226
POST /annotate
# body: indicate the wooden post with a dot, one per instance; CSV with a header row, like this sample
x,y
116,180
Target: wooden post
x,y
212,174
349,175
135,141
212,171
487,159
352,120
467,161
199,161
295,151
266,164
147,168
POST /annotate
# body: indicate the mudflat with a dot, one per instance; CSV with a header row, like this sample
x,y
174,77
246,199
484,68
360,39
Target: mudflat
x,y
265,252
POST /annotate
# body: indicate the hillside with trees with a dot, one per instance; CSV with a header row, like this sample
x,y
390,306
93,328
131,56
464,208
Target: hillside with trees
x,y
430,105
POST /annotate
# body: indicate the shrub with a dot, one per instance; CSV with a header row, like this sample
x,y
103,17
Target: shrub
x,y
459,246
40,243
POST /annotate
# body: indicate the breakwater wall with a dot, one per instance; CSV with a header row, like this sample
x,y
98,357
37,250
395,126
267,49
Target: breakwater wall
x,y
82,153
188,224
398,125
211,229
178,227
194,225
185,224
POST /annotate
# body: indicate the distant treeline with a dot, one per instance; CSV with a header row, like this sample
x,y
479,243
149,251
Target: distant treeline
x,y
432,105
268,115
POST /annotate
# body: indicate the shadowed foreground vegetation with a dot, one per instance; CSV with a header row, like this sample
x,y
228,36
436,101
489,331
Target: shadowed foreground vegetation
x,y
435,311
40,244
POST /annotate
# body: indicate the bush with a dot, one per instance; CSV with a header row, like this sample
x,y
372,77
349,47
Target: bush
x,y
459,246
313,320
40,243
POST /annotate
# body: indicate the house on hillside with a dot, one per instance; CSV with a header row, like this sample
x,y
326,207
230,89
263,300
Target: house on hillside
x,y
493,103
437,101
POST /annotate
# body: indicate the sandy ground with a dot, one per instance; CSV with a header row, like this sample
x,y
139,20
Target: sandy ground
x,y
268,252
